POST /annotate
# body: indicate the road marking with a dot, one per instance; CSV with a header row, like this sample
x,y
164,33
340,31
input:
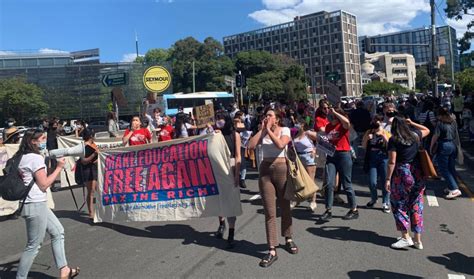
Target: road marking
x,y
456,276
432,200
465,188
255,197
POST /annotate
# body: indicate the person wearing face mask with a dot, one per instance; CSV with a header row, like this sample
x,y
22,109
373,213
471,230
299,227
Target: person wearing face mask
x,y
38,217
136,135
375,143
80,126
232,138
390,112
337,132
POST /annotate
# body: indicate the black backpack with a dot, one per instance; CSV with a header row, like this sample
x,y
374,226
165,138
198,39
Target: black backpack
x,y
12,187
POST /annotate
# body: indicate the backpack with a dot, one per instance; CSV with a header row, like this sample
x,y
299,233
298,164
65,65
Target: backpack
x,y
12,187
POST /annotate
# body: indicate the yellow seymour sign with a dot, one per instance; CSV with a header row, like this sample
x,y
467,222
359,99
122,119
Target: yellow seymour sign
x,y
156,79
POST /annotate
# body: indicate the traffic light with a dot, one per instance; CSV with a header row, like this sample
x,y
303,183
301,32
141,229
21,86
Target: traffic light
x,y
369,48
239,80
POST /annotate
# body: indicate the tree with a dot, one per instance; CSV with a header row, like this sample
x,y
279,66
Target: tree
x,y
458,9
423,80
465,80
379,87
157,56
21,100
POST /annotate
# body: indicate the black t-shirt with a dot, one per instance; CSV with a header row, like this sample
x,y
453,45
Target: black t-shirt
x,y
376,142
230,141
89,151
405,153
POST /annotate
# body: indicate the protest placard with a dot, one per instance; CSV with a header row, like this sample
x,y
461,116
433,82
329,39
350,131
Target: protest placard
x,y
204,115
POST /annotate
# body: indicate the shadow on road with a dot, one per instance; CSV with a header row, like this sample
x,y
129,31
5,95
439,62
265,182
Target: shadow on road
x,y
7,272
348,234
175,231
375,273
456,262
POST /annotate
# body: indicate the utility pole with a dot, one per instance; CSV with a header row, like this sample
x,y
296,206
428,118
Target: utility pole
x,y
451,56
136,42
434,60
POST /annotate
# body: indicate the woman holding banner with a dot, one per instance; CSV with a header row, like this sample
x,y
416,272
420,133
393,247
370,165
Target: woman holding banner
x,y
89,168
272,180
232,138
136,135
38,217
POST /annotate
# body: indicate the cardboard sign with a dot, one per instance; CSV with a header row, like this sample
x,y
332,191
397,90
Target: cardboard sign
x,y
204,115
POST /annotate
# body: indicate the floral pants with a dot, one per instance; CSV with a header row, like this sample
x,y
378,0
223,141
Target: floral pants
x,y
406,197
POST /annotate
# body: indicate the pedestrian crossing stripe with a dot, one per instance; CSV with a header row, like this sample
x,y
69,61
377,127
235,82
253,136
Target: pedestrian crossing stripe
x,y
431,197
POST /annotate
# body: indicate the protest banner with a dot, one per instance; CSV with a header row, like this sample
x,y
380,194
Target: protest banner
x,y
204,115
70,166
167,181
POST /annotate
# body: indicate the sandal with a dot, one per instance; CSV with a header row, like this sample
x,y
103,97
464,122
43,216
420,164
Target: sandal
x,y
291,247
73,272
268,259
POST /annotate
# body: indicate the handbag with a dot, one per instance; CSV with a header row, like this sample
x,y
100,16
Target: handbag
x,y
299,185
427,168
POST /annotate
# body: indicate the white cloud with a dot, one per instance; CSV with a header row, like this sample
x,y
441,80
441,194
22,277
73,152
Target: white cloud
x,y
460,25
129,57
373,16
6,52
50,50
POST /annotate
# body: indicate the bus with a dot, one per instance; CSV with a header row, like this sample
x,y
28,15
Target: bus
x,y
170,103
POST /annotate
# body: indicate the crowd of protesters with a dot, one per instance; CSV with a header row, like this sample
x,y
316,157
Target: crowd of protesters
x,y
384,136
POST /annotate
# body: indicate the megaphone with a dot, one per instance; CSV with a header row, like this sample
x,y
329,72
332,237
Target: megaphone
x,y
78,150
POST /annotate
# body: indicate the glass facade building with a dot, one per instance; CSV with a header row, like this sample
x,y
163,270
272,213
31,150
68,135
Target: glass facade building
x,y
422,54
324,43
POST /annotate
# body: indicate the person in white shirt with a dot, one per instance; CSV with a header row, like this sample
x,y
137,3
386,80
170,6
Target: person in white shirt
x,y
38,217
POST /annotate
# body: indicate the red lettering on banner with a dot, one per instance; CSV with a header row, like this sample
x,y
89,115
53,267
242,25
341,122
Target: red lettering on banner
x,y
190,193
123,198
153,178
114,199
193,171
165,154
108,181
154,196
138,179
193,150
128,180
180,194
167,177
109,162
144,196
205,171
202,192
182,175
118,161
171,195
186,152
107,200
118,181
173,154
135,197
156,156
203,149
148,157
141,157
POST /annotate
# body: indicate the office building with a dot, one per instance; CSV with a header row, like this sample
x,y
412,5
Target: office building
x,y
325,43
390,42
394,68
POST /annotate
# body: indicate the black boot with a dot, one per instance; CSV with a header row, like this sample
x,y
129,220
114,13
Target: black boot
x,y
220,230
242,184
230,239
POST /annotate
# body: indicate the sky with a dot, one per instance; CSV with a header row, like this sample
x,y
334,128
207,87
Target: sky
x,y
111,25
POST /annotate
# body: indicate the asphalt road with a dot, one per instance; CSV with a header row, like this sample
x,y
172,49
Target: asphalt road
x,y
337,249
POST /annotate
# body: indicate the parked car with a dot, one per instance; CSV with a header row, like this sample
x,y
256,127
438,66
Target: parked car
x,y
123,124
98,126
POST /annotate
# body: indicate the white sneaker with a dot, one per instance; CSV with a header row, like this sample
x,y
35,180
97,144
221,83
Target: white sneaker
x,y
453,194
312,206
293,204
386,208
418,245
402,243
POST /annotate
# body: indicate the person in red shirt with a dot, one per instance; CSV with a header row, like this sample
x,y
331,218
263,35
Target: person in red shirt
x,y
166,133
337,132
321,119
136,135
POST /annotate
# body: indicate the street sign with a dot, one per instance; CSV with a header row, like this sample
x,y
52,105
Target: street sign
x,y
332,76
114,79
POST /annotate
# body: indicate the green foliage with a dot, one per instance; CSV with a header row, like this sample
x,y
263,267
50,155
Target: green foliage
x,y
423,80
458,9
465,80
378,87
156,56
21,100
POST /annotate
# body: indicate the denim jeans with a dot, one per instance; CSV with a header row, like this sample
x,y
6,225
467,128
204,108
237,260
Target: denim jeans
x,y
378,172
39,220
243,166
341,162
446,158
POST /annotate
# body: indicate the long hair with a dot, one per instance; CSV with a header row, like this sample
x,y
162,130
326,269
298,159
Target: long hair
x,y
228,128
277,116
401,133
444,116
26,145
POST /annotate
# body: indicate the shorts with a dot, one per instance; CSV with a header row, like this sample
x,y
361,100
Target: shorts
x,y
307,159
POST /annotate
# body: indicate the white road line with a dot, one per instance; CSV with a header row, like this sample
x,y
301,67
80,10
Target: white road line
x,y
255,197
430,196
456,276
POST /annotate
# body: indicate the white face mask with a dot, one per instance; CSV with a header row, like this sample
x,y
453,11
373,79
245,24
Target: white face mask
x,y
10,124
220,124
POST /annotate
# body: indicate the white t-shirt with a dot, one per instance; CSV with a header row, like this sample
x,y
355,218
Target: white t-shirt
x,y
269,149
184,130
29,164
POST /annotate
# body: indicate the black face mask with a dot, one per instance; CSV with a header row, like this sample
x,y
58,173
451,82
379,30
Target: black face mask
x,y
390,114
374,126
